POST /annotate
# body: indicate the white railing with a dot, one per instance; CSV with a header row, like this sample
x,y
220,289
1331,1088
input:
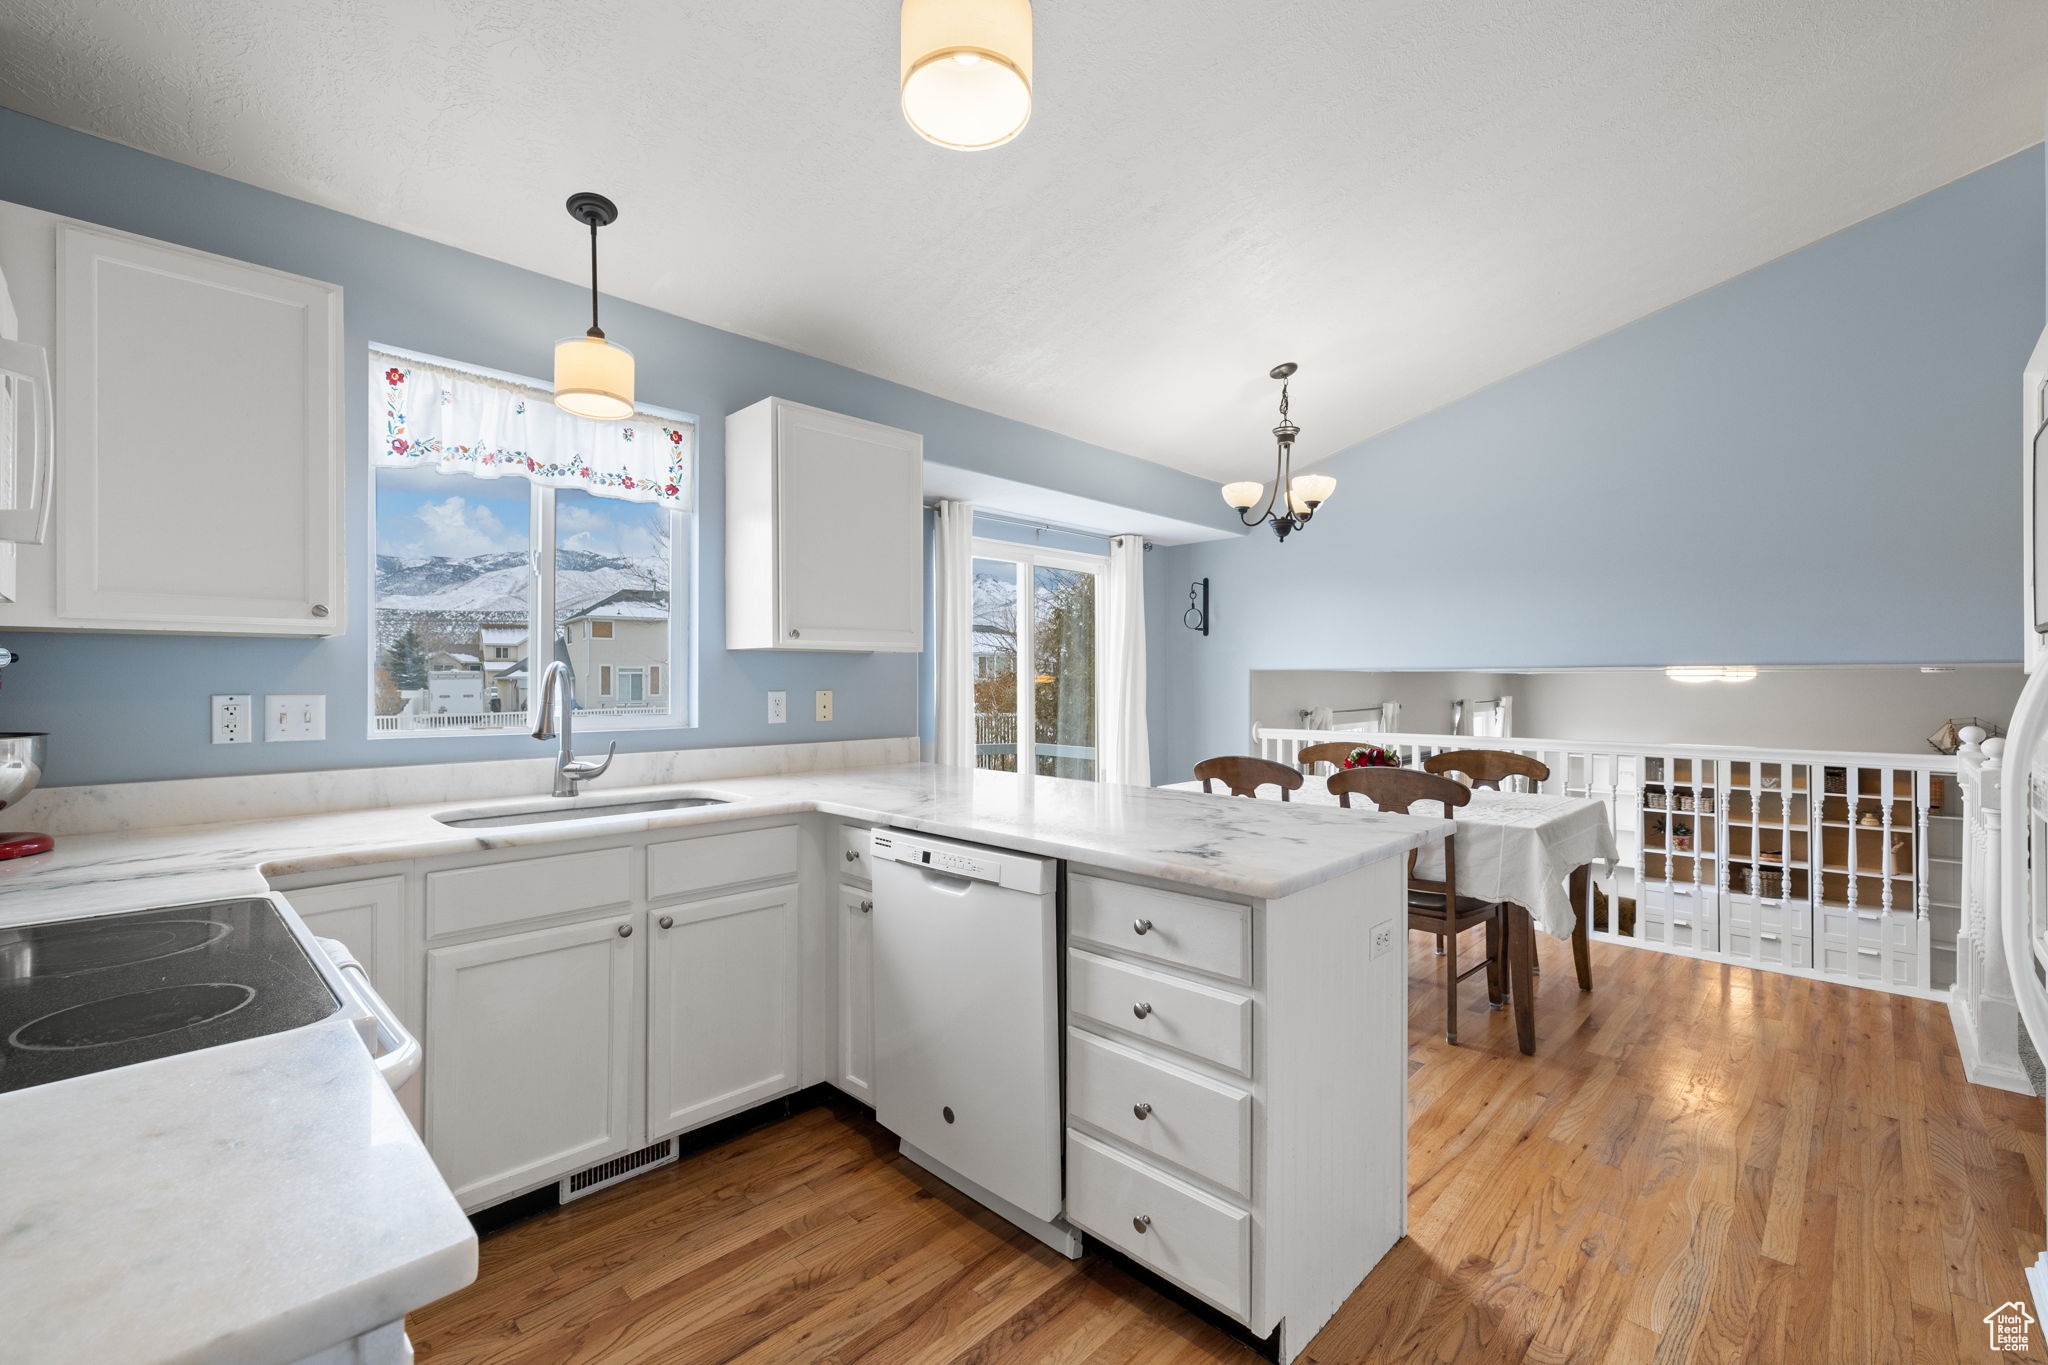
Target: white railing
x,y
483,722
1843,865
1981,1005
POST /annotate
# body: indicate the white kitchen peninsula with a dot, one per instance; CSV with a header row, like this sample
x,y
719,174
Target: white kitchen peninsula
x,y
1235,1031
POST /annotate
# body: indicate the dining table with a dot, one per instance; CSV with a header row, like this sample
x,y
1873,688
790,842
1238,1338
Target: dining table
x,y
1533,852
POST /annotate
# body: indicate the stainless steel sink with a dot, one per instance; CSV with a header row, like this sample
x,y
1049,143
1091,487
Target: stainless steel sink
x,y
555,815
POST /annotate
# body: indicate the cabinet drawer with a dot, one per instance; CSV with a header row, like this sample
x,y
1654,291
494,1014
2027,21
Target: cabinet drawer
x,y
1167,1113
1186,931
1683,899
688,867
1863,927
1770,947
1769,916
471,898
852,859
1855,961
1202,1021
1201,1244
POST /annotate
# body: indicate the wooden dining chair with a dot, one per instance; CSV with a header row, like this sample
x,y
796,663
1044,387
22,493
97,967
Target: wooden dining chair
x,y
1487,767
1436,907
1244,775
1334,753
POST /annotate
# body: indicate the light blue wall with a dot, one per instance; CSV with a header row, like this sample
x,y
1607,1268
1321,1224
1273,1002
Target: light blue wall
x,y
134,707
1816,462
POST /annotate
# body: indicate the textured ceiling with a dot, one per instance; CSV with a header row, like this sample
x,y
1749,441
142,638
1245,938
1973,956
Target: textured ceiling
x,y
1412,199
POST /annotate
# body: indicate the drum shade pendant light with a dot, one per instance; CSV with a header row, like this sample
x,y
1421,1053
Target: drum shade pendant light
x,y
593,377
967,70
1305,492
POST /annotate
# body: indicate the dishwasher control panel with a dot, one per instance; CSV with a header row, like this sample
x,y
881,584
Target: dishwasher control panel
x,y
1016,872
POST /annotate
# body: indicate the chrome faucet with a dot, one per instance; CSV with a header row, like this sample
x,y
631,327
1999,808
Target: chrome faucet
x,y
558,694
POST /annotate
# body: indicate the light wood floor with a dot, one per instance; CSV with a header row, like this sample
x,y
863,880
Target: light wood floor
x,y
1700,1164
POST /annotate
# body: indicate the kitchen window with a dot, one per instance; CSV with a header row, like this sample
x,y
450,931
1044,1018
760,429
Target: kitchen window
x,y
1035,645
508,534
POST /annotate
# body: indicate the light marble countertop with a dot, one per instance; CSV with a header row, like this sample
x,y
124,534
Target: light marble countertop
x,y
237,1203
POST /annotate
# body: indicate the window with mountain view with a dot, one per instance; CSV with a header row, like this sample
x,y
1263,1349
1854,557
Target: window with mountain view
x,y
510,534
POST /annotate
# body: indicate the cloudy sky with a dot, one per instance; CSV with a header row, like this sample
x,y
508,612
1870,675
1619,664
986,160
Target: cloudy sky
x,y
421,514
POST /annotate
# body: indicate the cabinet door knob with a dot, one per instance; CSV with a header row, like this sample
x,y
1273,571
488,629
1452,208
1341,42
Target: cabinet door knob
x,y
667,921
1141,927
1143,1222
1142,1110
853,855
1142,1008
793,634
866,906
625,931
319,608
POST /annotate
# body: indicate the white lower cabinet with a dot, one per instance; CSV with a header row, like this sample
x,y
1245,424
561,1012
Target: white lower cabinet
x,y
724,1006
533,1056
367,918
1199,1242
857,992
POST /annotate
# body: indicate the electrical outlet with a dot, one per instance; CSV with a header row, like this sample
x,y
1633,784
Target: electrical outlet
x,y
778,708
825,703
1383,938
234,718
295,716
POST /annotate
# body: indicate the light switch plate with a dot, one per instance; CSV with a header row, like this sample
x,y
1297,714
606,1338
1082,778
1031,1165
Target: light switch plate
x,y
295,715
234,718
825,703
778,708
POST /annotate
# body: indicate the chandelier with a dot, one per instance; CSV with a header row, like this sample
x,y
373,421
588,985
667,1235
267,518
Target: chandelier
x,y
1305,492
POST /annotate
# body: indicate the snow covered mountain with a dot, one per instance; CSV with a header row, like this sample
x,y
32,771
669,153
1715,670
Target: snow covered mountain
x,y
495,584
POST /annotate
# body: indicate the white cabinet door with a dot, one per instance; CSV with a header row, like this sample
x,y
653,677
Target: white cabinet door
x,y
724,1021
857,993
368,918
199,442
532,1051
824,531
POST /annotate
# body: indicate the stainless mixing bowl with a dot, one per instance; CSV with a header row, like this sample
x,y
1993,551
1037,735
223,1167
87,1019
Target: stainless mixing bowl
x,y
21,764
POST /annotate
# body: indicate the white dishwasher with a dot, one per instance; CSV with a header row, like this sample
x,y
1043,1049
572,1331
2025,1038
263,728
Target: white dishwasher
x,y
967,1055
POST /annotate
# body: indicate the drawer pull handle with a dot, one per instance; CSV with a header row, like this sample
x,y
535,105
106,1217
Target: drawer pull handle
x,y
667,921
1769,938
853,855
1142,1008
866,907
1141,927
1869,952
1142,1110
1682,923
1872,915
1143,1222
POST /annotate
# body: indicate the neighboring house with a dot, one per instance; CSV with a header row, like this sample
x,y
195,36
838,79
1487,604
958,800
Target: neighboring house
x,y
619,650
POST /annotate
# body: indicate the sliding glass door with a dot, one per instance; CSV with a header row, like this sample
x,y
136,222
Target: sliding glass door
x,y
1034,659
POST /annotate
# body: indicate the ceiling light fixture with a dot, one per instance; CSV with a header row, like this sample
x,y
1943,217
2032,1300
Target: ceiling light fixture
x,y
1305,493
593,377
967,71
1710,673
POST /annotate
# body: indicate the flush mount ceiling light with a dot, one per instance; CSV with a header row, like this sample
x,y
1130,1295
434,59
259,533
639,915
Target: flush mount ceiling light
x,y
593,377
967,70
1710,673
1304,493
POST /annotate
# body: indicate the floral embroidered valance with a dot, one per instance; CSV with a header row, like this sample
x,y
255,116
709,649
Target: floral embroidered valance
x,y
459,422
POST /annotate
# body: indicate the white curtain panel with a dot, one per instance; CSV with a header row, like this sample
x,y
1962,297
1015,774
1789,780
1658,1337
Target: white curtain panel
x,y
1126,748
953,608
455,422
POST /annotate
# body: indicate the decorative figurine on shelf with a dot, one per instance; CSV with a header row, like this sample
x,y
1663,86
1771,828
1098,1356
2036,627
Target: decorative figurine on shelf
x,y
1871,820
1902,856
1372,756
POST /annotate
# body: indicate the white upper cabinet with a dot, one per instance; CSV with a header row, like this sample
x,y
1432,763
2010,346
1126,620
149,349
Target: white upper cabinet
x,y
199,443
824,536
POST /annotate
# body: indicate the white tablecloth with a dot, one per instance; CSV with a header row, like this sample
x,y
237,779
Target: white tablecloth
x,y
1511,847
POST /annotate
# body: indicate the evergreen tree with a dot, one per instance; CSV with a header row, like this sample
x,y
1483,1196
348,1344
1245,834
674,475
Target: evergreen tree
x,y
407,661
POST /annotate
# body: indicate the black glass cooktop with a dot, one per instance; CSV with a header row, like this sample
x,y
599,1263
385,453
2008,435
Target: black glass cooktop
x,y
89,995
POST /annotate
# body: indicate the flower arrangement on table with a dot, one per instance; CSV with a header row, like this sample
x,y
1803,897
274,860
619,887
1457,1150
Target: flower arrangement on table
x,y
1372,756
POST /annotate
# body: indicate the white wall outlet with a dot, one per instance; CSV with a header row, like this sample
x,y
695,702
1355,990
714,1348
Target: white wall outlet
x,y
234,718
778,708
1383,938
288,715
825,703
